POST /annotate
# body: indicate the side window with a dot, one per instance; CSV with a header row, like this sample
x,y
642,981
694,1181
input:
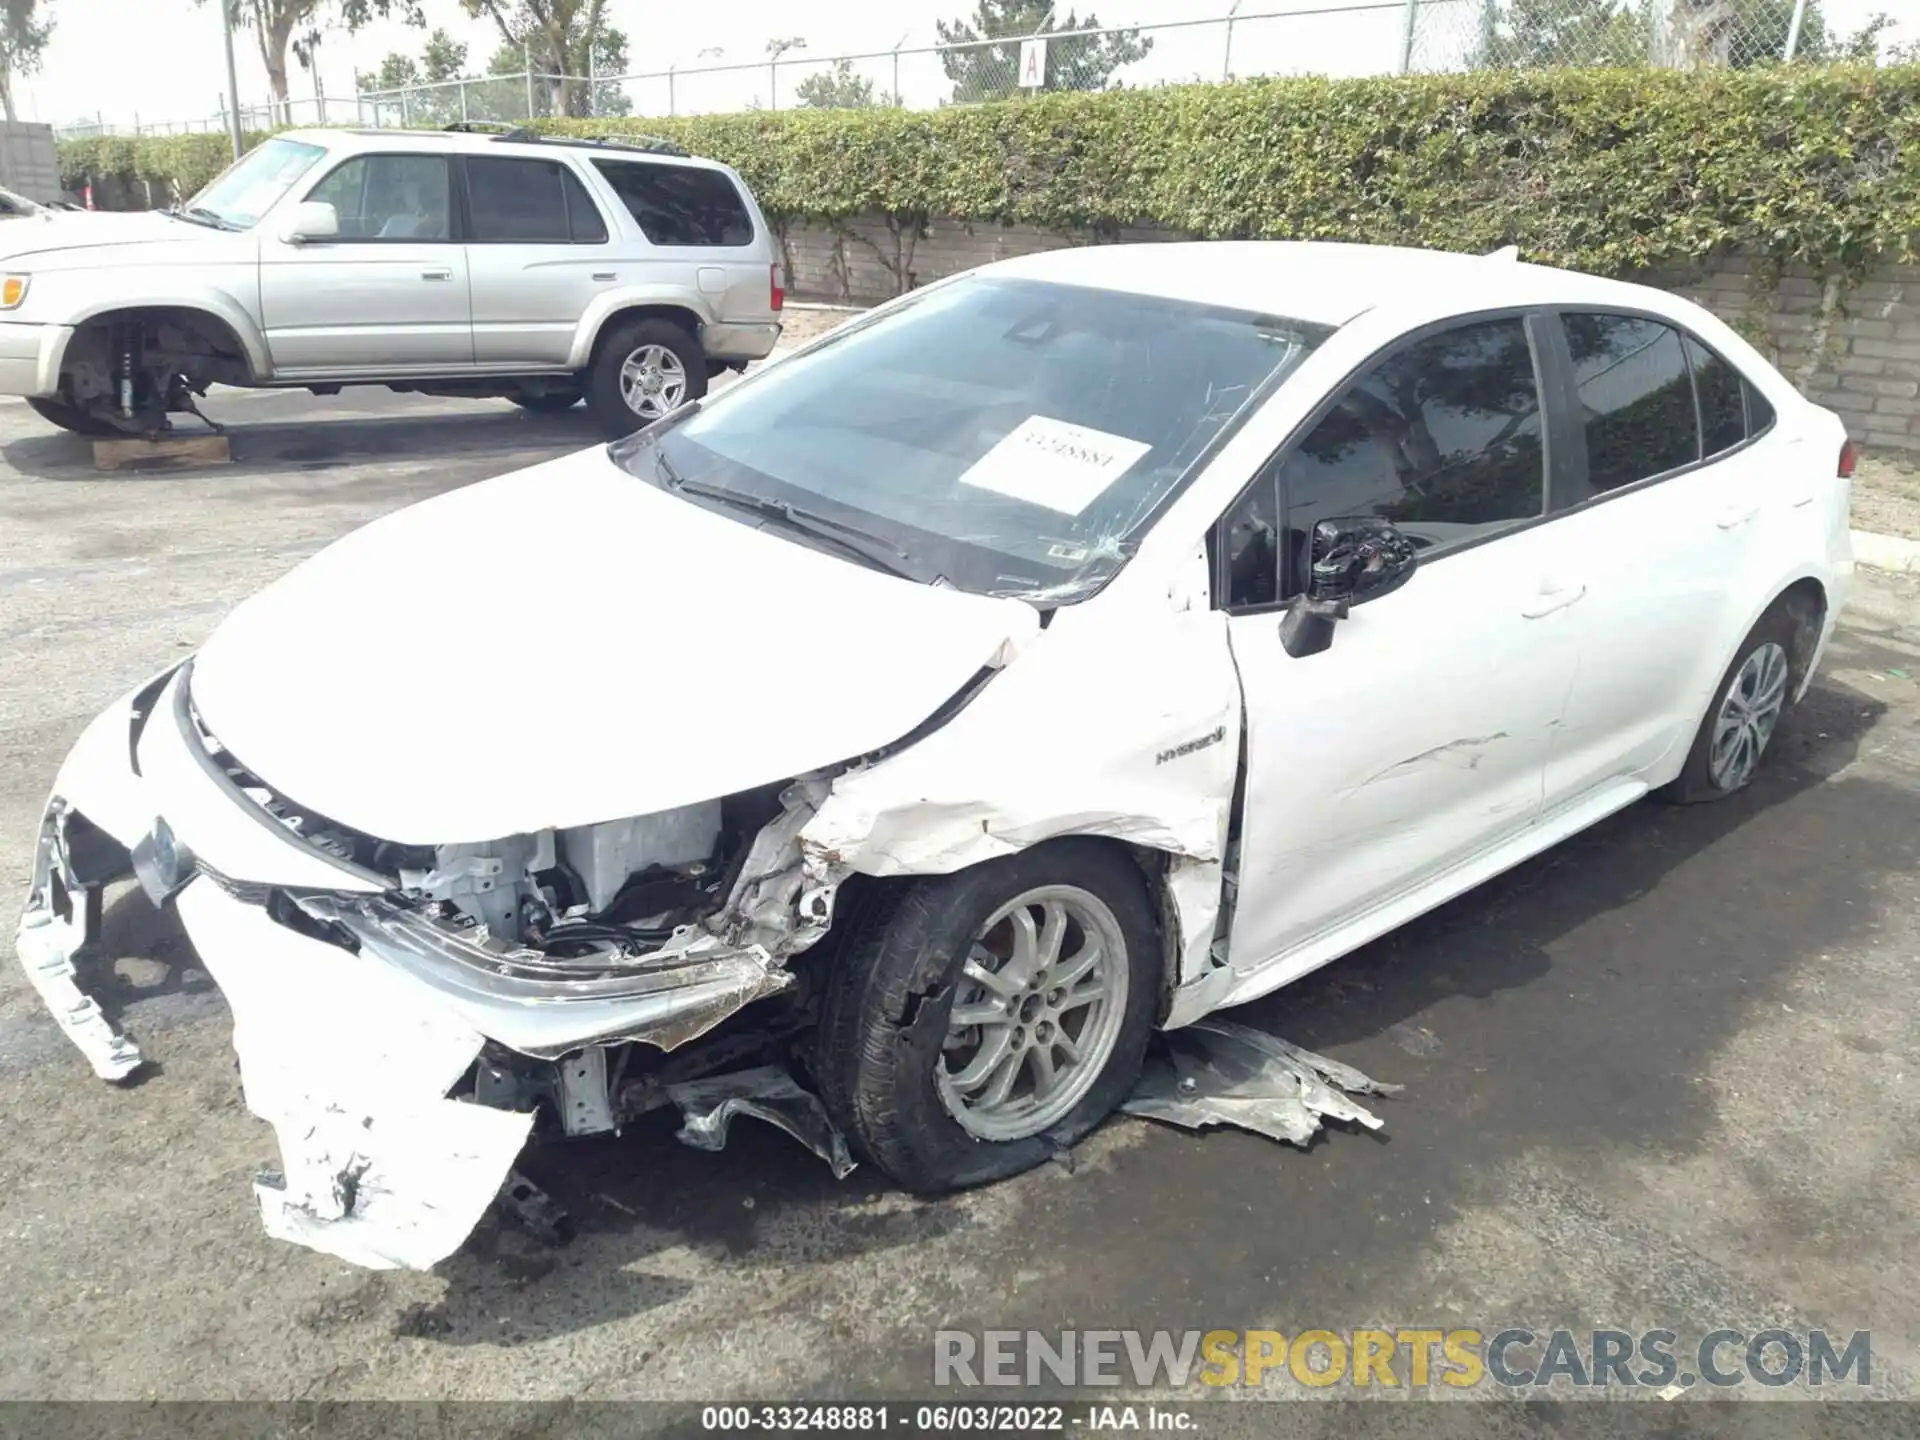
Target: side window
x,y
517,202
589,227
1636,398
1759,409
1442,438
390,197
1723,409
680,204
1249,538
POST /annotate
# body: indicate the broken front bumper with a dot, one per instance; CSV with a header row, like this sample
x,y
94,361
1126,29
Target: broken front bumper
x,y
348,1049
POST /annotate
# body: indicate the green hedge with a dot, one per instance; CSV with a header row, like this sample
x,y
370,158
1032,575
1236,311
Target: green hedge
x,y
1604,170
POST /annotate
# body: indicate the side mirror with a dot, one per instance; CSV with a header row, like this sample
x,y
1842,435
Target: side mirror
x,y
1353,560
311,220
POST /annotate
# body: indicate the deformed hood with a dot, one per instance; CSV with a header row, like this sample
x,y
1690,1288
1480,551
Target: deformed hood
x,y
568,644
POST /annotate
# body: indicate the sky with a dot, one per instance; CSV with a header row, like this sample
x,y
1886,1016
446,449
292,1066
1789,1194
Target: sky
x,y
165,64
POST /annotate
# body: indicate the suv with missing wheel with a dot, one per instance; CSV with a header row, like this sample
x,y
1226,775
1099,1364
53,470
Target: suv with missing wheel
x,y
545,270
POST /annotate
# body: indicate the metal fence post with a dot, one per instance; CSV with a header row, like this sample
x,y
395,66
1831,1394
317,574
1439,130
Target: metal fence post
x,y
670,97
1226,61
1793,29
406,106
526,55
463,103
773,83
1406,36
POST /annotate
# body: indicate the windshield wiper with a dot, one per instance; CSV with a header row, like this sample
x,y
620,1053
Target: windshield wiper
x,y
200,215
870,549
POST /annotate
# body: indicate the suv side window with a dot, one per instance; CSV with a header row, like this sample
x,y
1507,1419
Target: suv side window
x,y
680,204
529,202
1635,398
1443,438
390,197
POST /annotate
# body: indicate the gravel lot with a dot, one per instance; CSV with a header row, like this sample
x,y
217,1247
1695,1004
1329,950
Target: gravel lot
x,y
1656,1077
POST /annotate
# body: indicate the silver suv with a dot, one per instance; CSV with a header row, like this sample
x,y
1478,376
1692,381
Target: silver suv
x,y
544,270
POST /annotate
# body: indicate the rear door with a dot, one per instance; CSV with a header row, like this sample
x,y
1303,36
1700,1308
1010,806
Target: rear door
x,y
539,250
1665,529
389,295
698,225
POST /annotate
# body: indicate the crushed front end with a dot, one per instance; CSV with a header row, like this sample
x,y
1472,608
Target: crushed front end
x,y
408,1016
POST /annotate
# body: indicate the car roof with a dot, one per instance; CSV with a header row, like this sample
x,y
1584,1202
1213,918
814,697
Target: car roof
x,y
478,142
1322,282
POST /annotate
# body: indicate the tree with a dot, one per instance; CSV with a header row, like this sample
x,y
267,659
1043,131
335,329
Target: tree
x,y
443,60
566,40
277,23
608,97
1525,34
24,32
841,89
992,72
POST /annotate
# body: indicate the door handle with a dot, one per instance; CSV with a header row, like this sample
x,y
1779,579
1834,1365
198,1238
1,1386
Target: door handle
x,y
1558,598
437,273
1734,516
1800,502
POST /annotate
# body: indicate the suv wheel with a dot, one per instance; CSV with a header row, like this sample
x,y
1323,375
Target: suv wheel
x,y
980,1022
69,417
646,369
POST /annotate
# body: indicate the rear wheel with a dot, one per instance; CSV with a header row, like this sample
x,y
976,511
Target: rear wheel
x,y
645,370
547,402
1747,706
980,1022
69,417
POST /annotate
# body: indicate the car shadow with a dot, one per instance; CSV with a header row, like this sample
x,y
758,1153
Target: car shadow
x,y
474,430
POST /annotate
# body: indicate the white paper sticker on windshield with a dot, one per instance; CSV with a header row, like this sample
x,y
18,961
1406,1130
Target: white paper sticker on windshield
x,y
1049,462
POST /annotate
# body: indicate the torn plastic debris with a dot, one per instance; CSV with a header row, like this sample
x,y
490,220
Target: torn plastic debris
x,y
1219,1073
768,1093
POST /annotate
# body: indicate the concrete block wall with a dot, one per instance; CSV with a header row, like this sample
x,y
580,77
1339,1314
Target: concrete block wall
x,y
1854,349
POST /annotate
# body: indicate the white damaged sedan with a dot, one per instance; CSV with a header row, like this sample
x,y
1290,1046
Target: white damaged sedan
x,y
1061,652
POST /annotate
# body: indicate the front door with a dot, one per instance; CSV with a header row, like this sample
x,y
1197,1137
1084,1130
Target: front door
x,y
387,297
1420,738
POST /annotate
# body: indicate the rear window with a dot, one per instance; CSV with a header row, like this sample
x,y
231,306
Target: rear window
x,y
680,204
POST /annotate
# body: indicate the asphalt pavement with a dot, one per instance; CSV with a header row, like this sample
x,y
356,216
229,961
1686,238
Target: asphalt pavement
x,y
1666,1075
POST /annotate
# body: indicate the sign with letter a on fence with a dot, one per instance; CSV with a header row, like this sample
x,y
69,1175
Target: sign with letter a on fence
x,y
1033,64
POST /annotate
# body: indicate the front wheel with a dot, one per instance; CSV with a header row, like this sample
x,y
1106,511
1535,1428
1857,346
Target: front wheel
x,y
1747,706
645,370
70,417
978,1023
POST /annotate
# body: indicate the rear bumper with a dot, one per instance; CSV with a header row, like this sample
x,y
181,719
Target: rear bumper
x,y
733,340
30,358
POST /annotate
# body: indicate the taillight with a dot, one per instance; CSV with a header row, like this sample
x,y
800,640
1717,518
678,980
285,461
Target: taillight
x,y
778,279
1848,456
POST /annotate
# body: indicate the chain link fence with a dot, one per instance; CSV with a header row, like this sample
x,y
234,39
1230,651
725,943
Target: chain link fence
x,y
1252,38
1529,34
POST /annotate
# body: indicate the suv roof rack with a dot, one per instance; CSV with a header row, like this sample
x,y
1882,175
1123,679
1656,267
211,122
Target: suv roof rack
x,y
499,129
645,144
